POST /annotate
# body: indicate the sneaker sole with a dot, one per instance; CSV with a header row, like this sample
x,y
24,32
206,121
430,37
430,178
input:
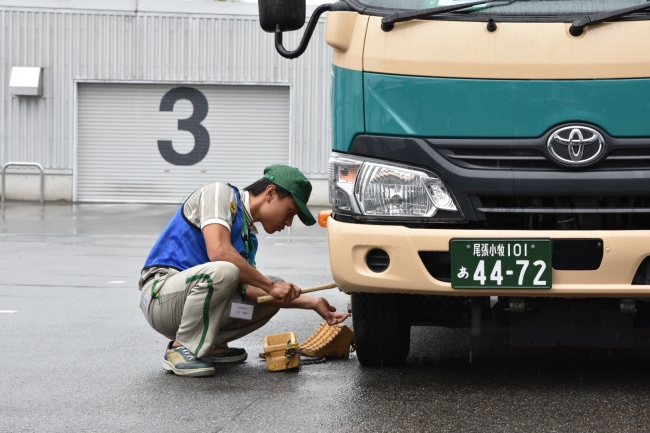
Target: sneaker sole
x,y
195,372
228,360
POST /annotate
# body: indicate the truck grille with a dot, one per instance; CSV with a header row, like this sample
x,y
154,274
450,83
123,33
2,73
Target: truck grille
x,y
492,158
497,159
626,159
564,205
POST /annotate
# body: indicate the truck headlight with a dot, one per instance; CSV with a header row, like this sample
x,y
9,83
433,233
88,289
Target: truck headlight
x,y
342,173
375,188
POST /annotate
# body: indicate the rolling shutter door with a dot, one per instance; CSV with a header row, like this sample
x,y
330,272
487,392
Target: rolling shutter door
x,y
124,152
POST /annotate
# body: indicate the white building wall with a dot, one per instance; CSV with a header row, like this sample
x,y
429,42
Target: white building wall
x,y
158,41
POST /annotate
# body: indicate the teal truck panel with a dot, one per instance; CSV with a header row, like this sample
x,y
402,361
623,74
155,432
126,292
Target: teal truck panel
x,y
465,108
347,107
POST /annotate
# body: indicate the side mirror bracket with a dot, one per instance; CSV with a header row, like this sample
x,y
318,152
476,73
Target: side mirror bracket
x,y
278,16
311,26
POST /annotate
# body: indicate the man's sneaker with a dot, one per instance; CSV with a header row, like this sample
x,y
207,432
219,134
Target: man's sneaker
x,y
184,363
225,354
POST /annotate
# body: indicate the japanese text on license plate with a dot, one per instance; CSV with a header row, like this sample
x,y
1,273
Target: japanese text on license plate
x,y
512,263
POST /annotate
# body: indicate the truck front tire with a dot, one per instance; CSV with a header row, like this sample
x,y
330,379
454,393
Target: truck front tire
x,y
382,328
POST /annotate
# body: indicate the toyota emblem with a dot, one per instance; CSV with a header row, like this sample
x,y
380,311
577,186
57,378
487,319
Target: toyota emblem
x,y
576,145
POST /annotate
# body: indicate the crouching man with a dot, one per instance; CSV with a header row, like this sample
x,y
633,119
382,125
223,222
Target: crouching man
x,y
199,283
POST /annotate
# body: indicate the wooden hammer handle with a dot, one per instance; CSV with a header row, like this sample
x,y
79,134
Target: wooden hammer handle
x,y
269,298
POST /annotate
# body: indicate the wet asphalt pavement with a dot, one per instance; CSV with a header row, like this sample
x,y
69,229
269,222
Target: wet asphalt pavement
x,y
79,356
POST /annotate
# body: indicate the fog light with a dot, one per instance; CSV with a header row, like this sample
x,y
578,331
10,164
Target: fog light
x,y
377,260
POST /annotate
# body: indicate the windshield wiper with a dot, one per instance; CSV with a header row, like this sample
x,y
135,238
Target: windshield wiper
x,y
388,22
578,26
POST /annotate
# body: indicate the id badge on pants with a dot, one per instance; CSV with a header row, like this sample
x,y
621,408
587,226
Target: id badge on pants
x,y
240,310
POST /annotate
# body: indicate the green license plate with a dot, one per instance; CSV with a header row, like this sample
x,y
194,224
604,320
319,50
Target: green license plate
x,y
501,263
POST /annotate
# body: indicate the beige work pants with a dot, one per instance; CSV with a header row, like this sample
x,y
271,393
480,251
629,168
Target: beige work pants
x,y
193,306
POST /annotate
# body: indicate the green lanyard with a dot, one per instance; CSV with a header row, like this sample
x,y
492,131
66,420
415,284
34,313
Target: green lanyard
x,y
248,242
247,248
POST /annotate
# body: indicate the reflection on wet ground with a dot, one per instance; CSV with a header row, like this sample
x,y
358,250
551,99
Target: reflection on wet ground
x,y
497,388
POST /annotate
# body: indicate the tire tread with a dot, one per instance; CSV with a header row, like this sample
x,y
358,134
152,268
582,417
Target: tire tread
x,y
381,328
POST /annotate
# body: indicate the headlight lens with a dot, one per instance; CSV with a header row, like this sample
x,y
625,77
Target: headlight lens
x,y
385,190
342,173
369,187
439,194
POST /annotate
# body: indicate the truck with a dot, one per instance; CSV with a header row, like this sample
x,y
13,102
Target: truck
x,y
490,167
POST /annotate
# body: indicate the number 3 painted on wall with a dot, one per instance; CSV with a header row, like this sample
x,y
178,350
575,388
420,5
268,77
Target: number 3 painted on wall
x,y
192,125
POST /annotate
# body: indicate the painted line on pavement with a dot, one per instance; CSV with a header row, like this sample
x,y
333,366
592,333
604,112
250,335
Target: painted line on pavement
x,y
8,311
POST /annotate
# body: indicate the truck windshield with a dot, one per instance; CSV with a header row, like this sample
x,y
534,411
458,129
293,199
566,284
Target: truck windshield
x,y
543,9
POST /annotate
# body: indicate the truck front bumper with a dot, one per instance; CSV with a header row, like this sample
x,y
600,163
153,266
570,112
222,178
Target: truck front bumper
x,y
350,243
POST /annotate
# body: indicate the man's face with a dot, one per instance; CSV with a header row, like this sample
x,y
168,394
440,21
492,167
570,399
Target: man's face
x,y
277,213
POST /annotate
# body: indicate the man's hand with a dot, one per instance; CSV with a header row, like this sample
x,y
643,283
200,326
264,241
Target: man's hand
x,y
327,312
285,292
319,305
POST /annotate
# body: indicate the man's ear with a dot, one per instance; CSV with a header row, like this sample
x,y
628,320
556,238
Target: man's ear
x,y
269,192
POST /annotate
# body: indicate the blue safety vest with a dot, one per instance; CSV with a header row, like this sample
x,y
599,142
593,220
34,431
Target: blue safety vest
x,y
181,245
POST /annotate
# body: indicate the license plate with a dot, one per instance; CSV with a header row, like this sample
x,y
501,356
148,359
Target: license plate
x,y
501,263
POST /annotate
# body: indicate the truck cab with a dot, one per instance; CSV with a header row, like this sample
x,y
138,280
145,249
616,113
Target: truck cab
x,y
490,168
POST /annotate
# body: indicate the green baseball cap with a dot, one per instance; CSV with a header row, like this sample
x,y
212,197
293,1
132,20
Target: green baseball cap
x,y
292,179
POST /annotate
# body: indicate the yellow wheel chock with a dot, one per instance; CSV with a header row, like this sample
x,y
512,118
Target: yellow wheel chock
x,y
329,342
281,351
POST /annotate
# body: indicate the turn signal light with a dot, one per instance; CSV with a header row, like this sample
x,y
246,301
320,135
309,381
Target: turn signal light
x,y
322,217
